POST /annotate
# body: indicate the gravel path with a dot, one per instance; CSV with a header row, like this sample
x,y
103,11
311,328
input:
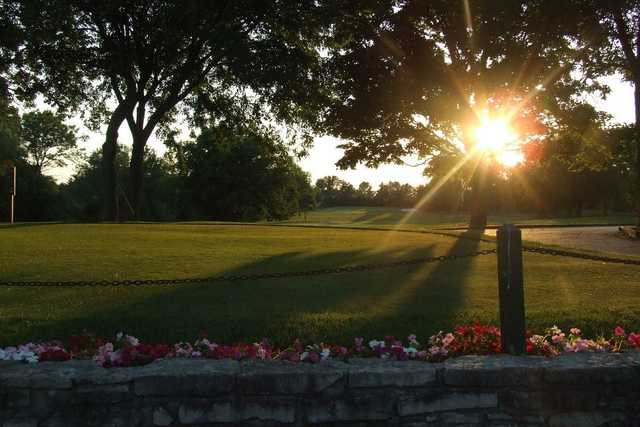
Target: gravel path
x,y
589,238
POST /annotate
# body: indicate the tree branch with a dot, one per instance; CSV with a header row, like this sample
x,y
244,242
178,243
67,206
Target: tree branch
x,y
623,36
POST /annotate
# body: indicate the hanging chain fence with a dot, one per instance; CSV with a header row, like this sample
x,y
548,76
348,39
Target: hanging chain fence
x,y
317,272
245,277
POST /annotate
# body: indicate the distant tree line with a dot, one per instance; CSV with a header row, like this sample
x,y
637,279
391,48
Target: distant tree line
x,y
564,176
223,174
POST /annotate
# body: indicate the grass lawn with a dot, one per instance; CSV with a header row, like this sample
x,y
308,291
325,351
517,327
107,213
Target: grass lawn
x,y
386,217
336,308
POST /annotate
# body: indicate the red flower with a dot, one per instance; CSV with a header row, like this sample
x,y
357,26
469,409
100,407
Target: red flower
x,y
54,355
634,339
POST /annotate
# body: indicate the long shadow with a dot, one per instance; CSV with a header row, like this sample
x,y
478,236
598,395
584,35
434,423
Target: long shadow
x,y
436,299
375,217
231,311
419,298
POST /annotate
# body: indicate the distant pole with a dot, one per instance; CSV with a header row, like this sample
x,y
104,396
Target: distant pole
x,y
511,289
13,195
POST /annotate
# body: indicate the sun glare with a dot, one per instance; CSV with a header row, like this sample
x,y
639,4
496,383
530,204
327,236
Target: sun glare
x,y
494,136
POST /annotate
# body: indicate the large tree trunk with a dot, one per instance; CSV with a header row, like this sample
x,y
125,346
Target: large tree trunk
x,y
109,192
136,175
110,207
479,196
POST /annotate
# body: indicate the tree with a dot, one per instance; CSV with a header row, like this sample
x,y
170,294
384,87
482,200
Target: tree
x,y
246,176
365,193
333,191
48,141
394,194
417,77
608,36
82,195
10,149
146,57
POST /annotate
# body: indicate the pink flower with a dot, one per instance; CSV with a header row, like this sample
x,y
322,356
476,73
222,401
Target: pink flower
x,y
634,339
448,339
575,331
619,331
294,357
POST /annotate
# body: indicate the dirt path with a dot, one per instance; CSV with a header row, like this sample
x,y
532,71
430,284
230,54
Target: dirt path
x,y
589,238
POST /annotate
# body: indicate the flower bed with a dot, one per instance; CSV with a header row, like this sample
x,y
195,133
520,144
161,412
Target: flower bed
x,y
475,339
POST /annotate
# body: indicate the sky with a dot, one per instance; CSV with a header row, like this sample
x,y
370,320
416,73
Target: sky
x,y
322,157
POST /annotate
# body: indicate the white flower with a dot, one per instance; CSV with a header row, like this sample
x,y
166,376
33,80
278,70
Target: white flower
x,y
375,344
261,353
325,353
410,350
132,340
119,336
304,355
536,339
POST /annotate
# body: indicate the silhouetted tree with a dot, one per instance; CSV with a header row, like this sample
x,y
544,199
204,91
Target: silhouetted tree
x,y
243,176
139,61
48,141
608,36
413,77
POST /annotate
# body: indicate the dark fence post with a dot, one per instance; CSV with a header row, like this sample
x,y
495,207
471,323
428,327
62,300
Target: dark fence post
x,y
511,289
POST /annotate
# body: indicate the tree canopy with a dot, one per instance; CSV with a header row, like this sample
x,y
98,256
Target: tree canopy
x,y
243,176
416,78
48,141
607,35
137,61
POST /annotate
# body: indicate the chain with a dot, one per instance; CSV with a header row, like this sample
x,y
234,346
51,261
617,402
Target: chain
x,y
246,277
558,252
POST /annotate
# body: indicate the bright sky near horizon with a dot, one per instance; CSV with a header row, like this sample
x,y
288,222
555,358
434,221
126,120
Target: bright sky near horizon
x,y
324,154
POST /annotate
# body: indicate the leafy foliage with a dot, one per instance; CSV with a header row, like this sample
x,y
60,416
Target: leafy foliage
x,y
48,141
410,78
246,176
224,60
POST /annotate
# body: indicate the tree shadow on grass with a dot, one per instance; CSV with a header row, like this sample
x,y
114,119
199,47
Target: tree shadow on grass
x,y
335,308
377,216
229,310
428,299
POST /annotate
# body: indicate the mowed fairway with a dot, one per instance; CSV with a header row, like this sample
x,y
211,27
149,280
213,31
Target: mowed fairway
x,y
334,308
366,216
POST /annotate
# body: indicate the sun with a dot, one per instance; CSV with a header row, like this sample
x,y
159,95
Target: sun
x,y
495,137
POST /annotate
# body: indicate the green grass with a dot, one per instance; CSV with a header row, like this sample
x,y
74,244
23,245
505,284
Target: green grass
x,y
419,299
387,217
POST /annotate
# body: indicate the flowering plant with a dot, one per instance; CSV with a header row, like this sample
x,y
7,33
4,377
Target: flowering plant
x,y
127,350
32,353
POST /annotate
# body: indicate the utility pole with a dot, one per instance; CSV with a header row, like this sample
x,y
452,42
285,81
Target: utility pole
x,y
12,190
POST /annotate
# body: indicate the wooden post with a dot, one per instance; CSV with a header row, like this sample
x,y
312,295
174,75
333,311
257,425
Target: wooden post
x,y
511,289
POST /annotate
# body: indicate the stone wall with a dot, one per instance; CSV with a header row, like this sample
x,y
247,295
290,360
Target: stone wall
x,y
572,390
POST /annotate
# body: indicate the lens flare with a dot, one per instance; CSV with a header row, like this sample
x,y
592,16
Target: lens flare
x,y
494,136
